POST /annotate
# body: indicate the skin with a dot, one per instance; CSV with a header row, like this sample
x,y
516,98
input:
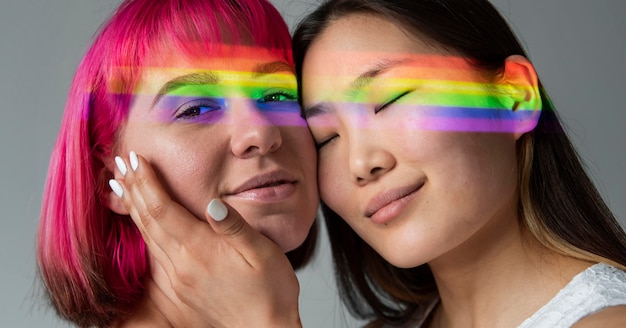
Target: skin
x,y
211,155
365,153
483,262
216,138
378,142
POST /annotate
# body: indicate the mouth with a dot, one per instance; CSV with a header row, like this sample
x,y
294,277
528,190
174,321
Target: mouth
x,y
269,187
387,205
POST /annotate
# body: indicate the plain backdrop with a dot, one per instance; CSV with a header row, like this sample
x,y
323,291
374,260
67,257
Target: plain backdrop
x,y
577,46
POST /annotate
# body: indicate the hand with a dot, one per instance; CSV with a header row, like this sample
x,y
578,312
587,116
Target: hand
x,y
227,272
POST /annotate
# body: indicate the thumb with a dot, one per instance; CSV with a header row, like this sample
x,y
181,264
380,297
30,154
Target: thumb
x,y
229,224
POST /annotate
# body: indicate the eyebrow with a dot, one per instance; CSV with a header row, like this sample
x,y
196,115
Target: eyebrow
x,y
210,77
261,70
363,80
198,78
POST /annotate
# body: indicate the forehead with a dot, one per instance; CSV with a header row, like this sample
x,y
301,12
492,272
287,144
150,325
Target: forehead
x,y
357,46
230,62
366,35
353,42
214,57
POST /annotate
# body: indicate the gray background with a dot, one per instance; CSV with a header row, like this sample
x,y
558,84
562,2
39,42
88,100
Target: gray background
x,y
577,46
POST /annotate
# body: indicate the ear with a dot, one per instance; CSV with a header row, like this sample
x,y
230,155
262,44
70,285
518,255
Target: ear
x,y
109,198
521,90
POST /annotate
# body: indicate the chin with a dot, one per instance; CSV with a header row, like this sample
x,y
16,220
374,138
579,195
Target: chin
x,y
401,260
291,239
286,233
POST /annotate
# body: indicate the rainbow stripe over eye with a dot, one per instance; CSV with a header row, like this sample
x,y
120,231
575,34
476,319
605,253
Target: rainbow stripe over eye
x,y
471,119
444,105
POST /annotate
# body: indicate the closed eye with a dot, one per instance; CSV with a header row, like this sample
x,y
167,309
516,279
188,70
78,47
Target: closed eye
x,y
325,141
392,101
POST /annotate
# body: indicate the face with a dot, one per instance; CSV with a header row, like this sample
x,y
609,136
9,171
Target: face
x,y
413,153
228,126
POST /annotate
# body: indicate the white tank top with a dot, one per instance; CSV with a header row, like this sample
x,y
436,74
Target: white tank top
x,y
598,287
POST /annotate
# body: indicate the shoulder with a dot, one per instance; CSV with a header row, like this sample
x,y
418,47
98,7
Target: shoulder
x,y
610,293
595,297
614,316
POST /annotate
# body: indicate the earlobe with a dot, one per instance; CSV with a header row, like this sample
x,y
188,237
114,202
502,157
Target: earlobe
x,y
522,88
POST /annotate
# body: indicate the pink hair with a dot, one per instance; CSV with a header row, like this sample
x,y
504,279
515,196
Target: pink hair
x,y
91,260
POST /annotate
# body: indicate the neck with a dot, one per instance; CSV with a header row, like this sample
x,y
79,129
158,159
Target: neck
x,y
498,278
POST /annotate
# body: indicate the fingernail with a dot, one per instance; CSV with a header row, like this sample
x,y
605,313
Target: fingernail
x,y
116,187
217,210
134,161
121,165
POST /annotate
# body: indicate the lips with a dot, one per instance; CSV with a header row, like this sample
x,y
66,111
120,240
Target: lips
x,y
272,186
387,198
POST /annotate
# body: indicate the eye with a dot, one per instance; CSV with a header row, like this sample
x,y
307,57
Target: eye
x,y
392,101
276,96
197,108
325,141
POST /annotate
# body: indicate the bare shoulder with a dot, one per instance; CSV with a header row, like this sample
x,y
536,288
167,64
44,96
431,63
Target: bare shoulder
x,y
614,316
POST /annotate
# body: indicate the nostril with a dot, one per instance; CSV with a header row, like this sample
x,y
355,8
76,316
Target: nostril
x,y
251,149
375,170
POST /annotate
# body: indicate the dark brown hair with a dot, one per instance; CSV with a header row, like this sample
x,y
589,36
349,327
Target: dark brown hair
x,y
558,203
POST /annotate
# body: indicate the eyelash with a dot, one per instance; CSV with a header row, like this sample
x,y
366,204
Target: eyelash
x,y
376,110
319,145
391,102
186,110
194,109
280,93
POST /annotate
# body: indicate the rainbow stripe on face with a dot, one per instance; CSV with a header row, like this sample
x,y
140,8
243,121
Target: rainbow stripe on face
x,y
471,119
430,104
208,96
462,106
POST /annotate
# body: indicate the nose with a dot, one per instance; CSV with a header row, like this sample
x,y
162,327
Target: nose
x,y
252,134
369,159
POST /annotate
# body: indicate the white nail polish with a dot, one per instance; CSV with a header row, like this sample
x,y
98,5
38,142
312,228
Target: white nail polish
x,y
134,161
217,210
116,187
121,165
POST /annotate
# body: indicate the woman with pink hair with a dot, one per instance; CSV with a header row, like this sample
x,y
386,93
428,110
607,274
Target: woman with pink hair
x,y
205,91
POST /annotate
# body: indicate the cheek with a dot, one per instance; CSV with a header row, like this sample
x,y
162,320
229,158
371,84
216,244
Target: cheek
x,y
191,179
188,164
302,144
334,180
479,173
298,149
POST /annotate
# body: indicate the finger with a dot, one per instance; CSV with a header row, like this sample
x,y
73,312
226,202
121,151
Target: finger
x,y
167,227
136,208
228,223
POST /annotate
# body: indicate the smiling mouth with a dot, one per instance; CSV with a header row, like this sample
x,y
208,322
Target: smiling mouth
x,y
271,187
389,204
272,184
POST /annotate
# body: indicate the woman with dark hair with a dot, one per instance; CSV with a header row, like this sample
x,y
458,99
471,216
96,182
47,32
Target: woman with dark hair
x,y
451,192
452,195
